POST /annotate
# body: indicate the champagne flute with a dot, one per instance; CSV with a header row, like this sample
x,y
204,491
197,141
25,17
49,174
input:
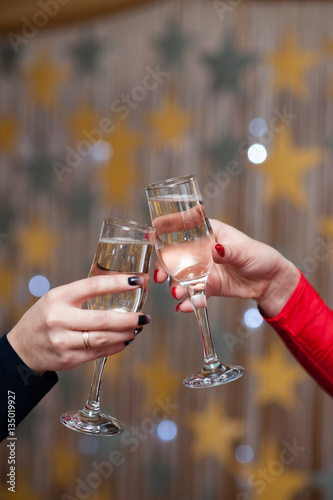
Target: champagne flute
x,y
124,247
183,244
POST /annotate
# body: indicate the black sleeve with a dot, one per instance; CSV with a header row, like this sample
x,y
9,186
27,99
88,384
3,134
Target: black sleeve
x,y
21,388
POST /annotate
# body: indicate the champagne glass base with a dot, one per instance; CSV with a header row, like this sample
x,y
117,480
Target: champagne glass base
x,y
97,425
210,378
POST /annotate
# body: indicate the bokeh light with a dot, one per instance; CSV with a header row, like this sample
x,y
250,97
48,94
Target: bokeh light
x,y
167,430
39,285
257,153
88,445
244,454
102,151
253,318
258,127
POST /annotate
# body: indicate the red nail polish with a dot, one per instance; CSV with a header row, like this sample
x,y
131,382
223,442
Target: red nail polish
x,y
155,275
177,307
173,292
220,249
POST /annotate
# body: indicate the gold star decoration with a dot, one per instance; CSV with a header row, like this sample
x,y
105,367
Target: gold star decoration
x,y
8,133
65,464
22,490
169,123
84,120
160,379
285,167
215,433
326,225
277,377
37,244
118,176
8,284
114,366
290,64
44,77
270,477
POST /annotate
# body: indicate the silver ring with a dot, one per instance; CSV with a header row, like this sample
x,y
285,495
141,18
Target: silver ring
x,y
86,343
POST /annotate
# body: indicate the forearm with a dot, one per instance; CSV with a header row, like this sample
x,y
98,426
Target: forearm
x,y
25,387
305,324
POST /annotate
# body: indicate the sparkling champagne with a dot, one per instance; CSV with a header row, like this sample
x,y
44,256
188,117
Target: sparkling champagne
x,y
127,257
184,236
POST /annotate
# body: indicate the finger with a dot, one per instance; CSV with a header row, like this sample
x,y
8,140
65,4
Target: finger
x,y
89,319
177,291
160,276
185,306
226,254
79,356
102,341
83,290
179,221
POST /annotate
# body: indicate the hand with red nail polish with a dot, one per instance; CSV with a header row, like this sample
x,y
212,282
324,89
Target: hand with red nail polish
x,y
246,268
242,267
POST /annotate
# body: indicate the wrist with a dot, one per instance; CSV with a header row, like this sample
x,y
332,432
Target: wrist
x,y
281,287
20,351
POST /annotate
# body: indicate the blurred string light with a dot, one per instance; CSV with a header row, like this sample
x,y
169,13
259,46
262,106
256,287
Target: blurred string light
x,y
257,153
244,454
88,445
39,285
102,151
167,430
258,127
253,318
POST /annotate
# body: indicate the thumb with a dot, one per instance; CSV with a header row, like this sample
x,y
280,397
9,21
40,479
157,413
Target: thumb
x,y
225,254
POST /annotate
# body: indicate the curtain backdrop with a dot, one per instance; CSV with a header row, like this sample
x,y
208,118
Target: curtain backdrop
x,y
89,114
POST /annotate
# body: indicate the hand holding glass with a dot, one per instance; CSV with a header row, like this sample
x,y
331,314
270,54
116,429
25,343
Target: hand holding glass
x,y
184,240
124,247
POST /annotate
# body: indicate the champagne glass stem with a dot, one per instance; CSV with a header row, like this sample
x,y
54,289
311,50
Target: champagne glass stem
x,y
92,406
199,302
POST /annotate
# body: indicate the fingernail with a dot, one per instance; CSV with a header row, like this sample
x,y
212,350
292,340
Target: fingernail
x,y
135,280
173,292
128,342
220,249
155,275
137,331
144,319
177,307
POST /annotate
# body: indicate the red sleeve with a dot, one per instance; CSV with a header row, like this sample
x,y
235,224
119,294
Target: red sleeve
x,y
305,324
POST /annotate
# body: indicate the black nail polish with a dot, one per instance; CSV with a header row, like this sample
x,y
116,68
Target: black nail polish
x,y
137,331
128,342
135,280
143,319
